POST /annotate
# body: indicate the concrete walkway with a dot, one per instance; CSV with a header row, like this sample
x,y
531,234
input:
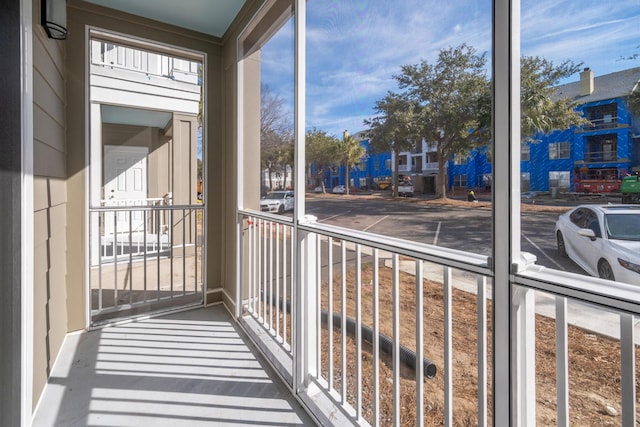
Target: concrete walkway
x,y
585,316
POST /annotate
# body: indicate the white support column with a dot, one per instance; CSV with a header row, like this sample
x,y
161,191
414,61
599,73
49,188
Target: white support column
x,y
506,200
26,222
95,176
299,106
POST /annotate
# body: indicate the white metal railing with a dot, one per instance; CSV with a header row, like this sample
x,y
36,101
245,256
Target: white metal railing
x,y
370,310
133,231
161,258
604,123
267,291
107,54
431,166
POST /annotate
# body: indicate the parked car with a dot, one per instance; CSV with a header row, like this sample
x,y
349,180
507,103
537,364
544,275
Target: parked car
x,y
277,201
318,189
339,189
602,239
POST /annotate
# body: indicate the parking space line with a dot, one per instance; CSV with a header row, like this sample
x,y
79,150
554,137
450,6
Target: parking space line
x,y
377,222
543,252
435,239
331,217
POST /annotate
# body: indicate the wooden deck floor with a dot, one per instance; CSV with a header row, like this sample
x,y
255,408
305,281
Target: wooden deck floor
x,y
192,368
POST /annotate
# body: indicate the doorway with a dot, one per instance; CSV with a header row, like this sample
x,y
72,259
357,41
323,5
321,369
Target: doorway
x,y
146,219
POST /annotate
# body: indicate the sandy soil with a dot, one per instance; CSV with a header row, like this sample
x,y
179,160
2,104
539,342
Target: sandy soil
x,y
594,360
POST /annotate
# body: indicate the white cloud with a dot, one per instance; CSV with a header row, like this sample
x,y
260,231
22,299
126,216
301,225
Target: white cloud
x,y
354,48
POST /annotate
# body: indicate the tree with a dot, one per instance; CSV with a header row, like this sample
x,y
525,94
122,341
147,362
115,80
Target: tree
x,y
276,134
350,152
322,151
451,101
542,110
395,128
634,102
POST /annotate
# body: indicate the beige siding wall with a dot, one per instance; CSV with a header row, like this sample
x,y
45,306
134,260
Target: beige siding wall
x,y
60,165
50,199
251,124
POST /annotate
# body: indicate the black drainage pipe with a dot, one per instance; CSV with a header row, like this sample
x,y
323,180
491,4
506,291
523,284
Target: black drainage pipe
x,y
407,356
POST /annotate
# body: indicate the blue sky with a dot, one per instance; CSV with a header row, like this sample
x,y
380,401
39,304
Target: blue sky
x,y
355,47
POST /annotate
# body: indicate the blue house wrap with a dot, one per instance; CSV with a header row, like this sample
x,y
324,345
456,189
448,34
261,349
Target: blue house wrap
x,y
372,168
607,147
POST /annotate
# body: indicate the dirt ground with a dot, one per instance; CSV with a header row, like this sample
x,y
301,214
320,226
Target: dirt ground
x,y
594,361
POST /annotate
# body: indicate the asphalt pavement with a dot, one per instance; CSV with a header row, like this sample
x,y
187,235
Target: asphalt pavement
x,y
467,229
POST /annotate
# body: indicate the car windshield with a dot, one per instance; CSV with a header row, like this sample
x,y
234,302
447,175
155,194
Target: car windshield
x,y
275,196
623,226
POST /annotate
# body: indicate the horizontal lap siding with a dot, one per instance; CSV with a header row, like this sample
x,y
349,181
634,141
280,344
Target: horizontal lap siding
x,y
50,202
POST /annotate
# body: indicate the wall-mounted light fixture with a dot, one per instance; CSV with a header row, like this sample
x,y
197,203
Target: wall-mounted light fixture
x,y
54,18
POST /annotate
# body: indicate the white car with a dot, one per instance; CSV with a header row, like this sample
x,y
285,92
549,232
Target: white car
x,y
277,201
604,240
339,189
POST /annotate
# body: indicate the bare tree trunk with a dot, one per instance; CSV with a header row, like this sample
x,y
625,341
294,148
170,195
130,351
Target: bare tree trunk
x,y
284,173
320,174
394,180
442,178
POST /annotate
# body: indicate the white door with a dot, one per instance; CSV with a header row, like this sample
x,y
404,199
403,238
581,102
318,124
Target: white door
x,y
125,184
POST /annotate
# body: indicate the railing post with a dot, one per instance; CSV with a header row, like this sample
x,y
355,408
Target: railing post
x,y
239,266
306,306
525,355
628,369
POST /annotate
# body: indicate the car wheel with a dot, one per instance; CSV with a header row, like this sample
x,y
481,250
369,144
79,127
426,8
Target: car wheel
x,y
281,209
605,271
562,249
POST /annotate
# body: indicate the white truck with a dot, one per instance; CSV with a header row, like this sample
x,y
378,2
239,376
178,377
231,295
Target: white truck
x,y
405,188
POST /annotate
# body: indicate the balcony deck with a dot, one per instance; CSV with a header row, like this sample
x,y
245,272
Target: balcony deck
x,y
188,368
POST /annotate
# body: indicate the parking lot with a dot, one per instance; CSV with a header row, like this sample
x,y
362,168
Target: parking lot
x,y
466,228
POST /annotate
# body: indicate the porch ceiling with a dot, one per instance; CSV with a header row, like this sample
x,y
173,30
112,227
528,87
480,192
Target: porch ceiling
x,y
135,116
211,17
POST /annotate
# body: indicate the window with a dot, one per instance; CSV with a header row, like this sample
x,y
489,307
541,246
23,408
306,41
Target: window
x,y
525,152
602,148
525,182
603,116
559,150
387,164
559,179
460,181
376,165
460,160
